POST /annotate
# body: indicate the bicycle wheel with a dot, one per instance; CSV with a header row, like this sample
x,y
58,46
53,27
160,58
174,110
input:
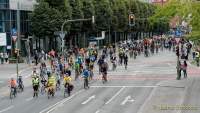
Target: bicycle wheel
x,y
11,95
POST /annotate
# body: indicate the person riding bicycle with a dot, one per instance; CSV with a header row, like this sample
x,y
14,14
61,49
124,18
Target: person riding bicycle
x,y
43,69
34,72
67,80
85,75
20,82
13,84
35,83
70,61
125,61
51,83
67,83
104,69
114,61
43,81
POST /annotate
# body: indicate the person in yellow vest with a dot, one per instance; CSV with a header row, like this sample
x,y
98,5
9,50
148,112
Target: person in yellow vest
x,y
51,84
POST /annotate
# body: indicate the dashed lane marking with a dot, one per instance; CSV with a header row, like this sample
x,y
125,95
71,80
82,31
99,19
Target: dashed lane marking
x,y
29,99
115,95
6,109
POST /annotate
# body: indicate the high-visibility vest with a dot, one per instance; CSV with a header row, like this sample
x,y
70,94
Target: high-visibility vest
x,y
35,81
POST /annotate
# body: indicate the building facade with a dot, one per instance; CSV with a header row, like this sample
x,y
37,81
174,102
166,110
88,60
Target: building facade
x,y
12,14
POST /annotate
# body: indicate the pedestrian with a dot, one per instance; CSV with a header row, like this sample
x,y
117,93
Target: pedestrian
x,y
178,67
197,58
125,61
184,68
193,54
1,57
6,57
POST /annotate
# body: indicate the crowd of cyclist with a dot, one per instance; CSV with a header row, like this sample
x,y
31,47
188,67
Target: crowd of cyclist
x,y
82,61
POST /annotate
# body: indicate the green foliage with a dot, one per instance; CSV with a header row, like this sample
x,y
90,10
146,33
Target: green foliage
x,y
88,12
45,20
49,15
103,13
77,13
181,8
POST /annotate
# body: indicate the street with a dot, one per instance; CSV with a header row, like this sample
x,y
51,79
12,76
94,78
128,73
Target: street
x,y
143,87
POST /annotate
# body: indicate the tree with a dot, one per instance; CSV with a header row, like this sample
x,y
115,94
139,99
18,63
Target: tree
x,y
88,11
182,9
103,13
45,20
76,14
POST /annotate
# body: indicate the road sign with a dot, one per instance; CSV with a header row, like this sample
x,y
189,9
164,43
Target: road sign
x,y
3,41
14,34
62,35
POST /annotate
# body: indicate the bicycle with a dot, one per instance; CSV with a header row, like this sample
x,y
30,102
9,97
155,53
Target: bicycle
x,y
67,90
50,92
12,93
104,77
20,87
42,89
58,86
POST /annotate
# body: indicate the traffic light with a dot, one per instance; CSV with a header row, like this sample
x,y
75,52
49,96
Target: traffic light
x,y
131,19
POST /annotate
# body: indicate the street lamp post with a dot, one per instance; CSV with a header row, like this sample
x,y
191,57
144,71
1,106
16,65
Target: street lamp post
x,y
65,22
17,43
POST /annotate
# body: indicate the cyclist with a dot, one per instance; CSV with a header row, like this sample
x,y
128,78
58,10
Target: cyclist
x,y
125,61
51,83
114,61
35,83
43,82
34,72
70,61
86,75
43,69
20,83
13,84
77,70
104,69
67,83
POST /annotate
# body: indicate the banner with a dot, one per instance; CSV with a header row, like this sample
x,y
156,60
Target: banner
x,y
26,5
3,41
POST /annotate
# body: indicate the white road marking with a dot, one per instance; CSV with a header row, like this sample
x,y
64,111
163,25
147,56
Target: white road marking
x,y
89,99
53,107
29,99
97,111
127,99
115,95
148,99
6,109
123,86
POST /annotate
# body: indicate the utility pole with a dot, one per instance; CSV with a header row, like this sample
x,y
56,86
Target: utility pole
x,y
18,38
74,20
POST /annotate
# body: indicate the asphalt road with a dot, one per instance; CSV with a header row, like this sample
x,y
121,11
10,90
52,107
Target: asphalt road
x,y
127,91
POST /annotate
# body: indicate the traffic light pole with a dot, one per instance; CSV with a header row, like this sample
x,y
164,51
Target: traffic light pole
x,y
67,21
